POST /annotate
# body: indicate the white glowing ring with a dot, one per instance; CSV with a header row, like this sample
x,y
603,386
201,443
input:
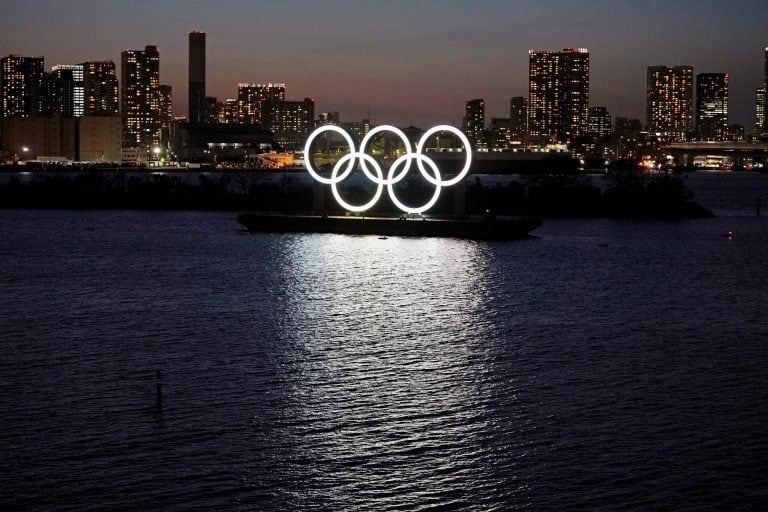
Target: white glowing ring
x,y
367,139
308,154
464,140
334,180
394,175
391,181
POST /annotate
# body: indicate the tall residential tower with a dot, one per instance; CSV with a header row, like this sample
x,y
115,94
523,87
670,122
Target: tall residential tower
x,y
100,88
253,100
70,81
518,118
765,90
712,106
760,111
140,97
599,122
558,95
669,101
21,82
474,122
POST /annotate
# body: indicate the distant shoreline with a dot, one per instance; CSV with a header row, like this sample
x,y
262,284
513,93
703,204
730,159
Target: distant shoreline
x,y
628,195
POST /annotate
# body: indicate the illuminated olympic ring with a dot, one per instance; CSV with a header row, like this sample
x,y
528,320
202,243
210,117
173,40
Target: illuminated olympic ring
x,y
397,171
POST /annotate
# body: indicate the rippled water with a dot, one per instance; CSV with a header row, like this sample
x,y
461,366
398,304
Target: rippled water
x,y
611,365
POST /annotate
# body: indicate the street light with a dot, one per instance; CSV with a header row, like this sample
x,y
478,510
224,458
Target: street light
x,y
157,150
24,151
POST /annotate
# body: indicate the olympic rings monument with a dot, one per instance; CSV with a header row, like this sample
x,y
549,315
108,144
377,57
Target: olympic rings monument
x,y
409,221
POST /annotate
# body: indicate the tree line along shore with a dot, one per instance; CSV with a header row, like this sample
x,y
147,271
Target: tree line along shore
x,y
626,192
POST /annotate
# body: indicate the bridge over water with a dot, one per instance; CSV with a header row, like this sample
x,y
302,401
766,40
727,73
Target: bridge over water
x,y
738,152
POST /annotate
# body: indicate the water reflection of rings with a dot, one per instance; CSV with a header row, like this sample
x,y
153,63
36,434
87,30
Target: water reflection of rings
x,y
397,171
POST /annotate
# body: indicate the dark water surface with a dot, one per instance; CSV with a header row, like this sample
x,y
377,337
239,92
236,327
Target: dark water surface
x,y
605,364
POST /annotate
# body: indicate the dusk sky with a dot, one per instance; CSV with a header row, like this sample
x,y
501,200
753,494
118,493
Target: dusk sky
x,y
405,62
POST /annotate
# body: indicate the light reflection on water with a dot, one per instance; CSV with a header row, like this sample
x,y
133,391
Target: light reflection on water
x,y
604,365
378,376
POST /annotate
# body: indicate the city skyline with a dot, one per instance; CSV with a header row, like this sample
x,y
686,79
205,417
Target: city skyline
x,y
382,61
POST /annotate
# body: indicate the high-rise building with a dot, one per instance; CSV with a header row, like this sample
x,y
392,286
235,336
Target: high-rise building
x,y
669,97
765,91
59,93
100,88
227,112
328,118
626,126
356,129
69,78
166,112
760,111
474,122
53,92
197,110
518,118
765,57
558,94
140,97
599,122
500,133
212,105
735,133
627,139
21,80
290,121
252,98
712,106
